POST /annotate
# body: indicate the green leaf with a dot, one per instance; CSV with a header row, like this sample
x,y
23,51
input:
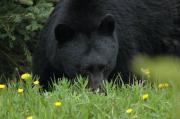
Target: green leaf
x,y
26,2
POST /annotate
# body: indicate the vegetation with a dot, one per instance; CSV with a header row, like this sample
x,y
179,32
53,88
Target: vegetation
x,y
66,101
161,69
20,23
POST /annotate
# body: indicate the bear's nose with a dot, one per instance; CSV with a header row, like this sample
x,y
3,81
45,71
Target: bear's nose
x,y
96,80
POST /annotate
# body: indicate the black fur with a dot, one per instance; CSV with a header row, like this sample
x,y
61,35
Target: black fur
x,y
99,38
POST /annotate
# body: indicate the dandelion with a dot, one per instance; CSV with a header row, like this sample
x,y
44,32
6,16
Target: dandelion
x,y
163,85
25,76
129,110
29,117
135,116
20,90
166,85
145,97
145,72
58,104
36,82
2,86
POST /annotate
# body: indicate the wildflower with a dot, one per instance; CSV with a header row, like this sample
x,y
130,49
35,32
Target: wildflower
x,y
135,116
20,90
29,117
58,104
25,76
145,72
2,86
36,82
129,110
163,85
145,97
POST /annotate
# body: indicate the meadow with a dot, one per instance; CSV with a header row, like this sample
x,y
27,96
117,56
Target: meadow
x,y
145,100
20,23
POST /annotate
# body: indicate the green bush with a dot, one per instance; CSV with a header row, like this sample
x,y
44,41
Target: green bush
x,y
20,23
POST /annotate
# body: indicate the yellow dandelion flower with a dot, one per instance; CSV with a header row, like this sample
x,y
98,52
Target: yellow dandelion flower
x,y
163,85
29,117
129,110
2,86
20,90
36,82
145,72
25,76
166,85
58,104
145,97
135,116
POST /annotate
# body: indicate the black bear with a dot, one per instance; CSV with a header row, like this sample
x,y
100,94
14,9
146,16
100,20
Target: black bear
x,y
99,38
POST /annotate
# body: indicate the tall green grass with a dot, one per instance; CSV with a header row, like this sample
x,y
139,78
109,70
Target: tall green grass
x,y
162,69
79,102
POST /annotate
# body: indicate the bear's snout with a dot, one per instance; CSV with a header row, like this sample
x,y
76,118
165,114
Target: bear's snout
x,y
95,73
95,80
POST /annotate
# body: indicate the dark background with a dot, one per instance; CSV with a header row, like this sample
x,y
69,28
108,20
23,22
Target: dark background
x,y
20,23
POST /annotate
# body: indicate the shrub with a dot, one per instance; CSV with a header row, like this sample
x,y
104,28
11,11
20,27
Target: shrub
x,y
20,23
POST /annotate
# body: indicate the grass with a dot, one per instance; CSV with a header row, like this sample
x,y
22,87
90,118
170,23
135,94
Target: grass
x,y
78,102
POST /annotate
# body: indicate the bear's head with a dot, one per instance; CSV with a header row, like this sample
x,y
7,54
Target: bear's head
x,y
93,55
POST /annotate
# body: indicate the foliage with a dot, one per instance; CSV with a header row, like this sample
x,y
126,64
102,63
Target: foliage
x,y
20,23
162,69
68,101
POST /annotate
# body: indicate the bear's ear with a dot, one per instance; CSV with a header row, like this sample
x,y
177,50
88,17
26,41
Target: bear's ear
x,y
63,33
107,25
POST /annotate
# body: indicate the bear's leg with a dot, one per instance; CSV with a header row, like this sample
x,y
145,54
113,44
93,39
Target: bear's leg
x,y
41,69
